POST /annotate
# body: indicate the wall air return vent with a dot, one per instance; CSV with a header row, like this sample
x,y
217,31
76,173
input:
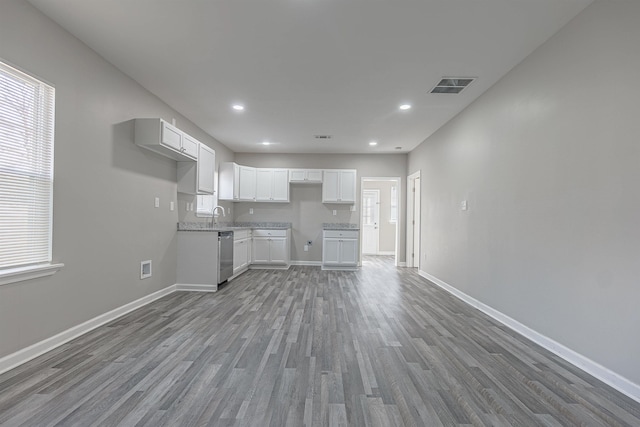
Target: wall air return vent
x,y
452,84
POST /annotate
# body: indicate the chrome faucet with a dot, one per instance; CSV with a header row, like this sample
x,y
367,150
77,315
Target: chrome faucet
x,y
213,215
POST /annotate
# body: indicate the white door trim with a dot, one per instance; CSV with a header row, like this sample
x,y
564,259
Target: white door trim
x,y
413,220
400,221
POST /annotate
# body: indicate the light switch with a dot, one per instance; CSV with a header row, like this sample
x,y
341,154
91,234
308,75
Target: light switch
x,y
463,205
335,212
171,205
250,211
157,202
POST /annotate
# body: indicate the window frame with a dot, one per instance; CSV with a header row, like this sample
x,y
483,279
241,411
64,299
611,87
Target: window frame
x,y
44,92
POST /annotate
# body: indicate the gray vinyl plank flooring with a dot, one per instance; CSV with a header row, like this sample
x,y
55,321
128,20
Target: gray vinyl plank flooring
x,y
305,347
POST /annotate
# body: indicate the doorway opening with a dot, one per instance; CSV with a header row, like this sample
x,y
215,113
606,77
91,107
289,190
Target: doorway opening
x,y
380,217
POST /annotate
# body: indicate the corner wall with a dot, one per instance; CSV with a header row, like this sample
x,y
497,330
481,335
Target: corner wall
x,y
104,186
549,162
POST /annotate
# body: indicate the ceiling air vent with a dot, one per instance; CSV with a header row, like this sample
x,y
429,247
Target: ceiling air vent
x,y
452,84
322,136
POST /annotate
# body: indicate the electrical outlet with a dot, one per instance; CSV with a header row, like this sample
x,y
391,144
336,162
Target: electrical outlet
x,y
250,211
335,212
463,205
306,248
156,203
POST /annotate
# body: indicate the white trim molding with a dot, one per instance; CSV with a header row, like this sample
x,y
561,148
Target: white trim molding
x,y
600,372
18,274
26,354
307,263
196,288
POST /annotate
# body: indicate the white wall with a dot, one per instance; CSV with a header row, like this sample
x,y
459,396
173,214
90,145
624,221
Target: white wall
x,y
104,220
549,161
306,211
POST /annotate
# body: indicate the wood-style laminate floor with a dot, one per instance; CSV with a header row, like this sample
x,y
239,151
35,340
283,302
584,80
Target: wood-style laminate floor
x,y
305,347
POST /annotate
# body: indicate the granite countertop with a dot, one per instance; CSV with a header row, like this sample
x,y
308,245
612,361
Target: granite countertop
x,y
225,226
340,226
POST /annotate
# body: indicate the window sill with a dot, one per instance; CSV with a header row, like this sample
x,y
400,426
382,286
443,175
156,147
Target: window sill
x,y
19,274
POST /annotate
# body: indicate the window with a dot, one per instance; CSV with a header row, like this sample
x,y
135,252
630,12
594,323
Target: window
x,y
26,173
393,214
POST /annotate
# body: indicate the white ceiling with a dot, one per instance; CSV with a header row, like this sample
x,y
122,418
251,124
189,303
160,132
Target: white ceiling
x,y
307,67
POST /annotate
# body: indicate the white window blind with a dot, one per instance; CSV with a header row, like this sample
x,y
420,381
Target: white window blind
x,y
26,168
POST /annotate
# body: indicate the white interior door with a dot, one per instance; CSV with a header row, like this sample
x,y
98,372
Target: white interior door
x,y
370,222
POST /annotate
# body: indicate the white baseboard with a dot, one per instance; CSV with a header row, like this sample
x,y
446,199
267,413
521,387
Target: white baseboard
x,y
308,263
402,264
386,253
196,288
602,373
22,356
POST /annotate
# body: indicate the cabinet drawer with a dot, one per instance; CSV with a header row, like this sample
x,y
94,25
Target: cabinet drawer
x,y
241,234
269,233
345,234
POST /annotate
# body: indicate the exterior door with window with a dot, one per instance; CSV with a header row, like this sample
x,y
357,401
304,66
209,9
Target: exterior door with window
x,y
370,222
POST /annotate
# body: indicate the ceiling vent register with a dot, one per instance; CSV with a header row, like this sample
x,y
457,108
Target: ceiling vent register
x,y
452,85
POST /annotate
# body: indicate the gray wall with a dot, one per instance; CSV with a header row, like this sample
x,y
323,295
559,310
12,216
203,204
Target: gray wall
x,y
104,219
306,211
549,162
387,230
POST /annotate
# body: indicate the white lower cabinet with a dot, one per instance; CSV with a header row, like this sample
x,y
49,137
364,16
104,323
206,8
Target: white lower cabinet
x,y
241,251
270,247
340,249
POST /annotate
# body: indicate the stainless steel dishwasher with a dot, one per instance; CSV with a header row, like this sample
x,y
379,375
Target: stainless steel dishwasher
x,y
225,255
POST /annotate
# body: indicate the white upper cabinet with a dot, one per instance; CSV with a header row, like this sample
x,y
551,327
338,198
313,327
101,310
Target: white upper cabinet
x,y
339,186
247,184
206,170
236,182
163,138
306,176
272,185
198,177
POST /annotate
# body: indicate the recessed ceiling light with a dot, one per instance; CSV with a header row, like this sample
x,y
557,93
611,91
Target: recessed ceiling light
x,y
266,143
405,106
372,143
238,107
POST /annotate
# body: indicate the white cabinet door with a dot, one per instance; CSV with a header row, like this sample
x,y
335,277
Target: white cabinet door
x,y
297,175
260,250
280,185
314,175
190,145
240,254
330,186
347,192
264,185
339,186
278,250
331,251
310,176
272,185
247,184
206,167
171,136
349,252
238,248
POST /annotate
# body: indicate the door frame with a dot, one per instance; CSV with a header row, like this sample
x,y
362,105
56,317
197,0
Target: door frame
x,y
413,220
400,220
377,217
